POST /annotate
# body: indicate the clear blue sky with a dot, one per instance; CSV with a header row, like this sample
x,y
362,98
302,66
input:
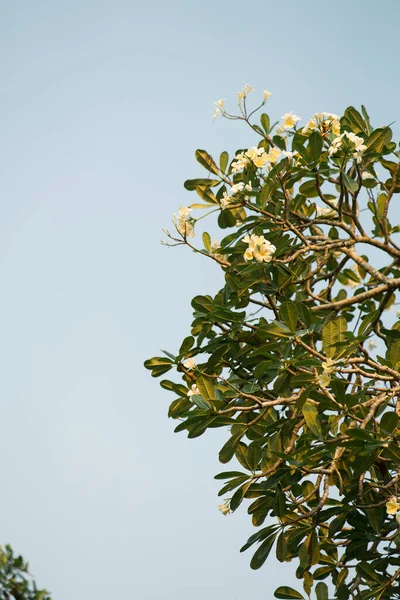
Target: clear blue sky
x,y
102,107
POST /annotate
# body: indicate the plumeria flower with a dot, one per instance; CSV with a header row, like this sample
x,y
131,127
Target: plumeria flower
x,y
248,187
237,187
225,200
326,211
392,506
398,314
266,94
290,155
194,390
258,248
274,154
245,91
189,363
183,222
372,344
261,160
253,152
328,367
216,113
241,161
224,508
289,120
359,147
220,103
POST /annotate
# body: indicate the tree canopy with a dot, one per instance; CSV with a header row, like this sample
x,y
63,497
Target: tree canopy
x,y
297,355
16,583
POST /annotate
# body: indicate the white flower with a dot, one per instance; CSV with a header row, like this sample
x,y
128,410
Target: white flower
x,y
246,90
189,363
289,120
224,508
260,161
258,248
220,103
290,155
248,187
238,223
225,200
328,367
183,222
326,211
237,187
266,94
372,344
359,147
216,113
274,154
184,212
240,162
248,255
398,314
194,390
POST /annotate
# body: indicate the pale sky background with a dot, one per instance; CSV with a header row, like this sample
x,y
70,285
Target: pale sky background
x,y
102,107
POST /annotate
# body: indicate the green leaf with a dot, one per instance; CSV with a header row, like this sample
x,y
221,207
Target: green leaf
x,y
206,241
350,183
376,140
310,414
356,120
265,122
313,549
315,143
389,422
228,450
262,552
332,334
288,312
206,194
393,353
200,402
309,189
321,590
190,184
287,592
206,387
281,547
206,161
186,345
223,161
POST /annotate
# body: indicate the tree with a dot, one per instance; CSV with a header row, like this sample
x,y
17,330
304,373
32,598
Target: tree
x,y
16,583
298,354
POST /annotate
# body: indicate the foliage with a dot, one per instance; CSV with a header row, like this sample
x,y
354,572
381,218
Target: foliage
x,y
16,583
295,354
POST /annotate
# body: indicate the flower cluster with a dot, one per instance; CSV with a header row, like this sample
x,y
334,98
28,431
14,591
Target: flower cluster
x,y
237,188
258,156
289,120
224,508
357,144
328,367
219,108
245,91
324,122
184,222
259,248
